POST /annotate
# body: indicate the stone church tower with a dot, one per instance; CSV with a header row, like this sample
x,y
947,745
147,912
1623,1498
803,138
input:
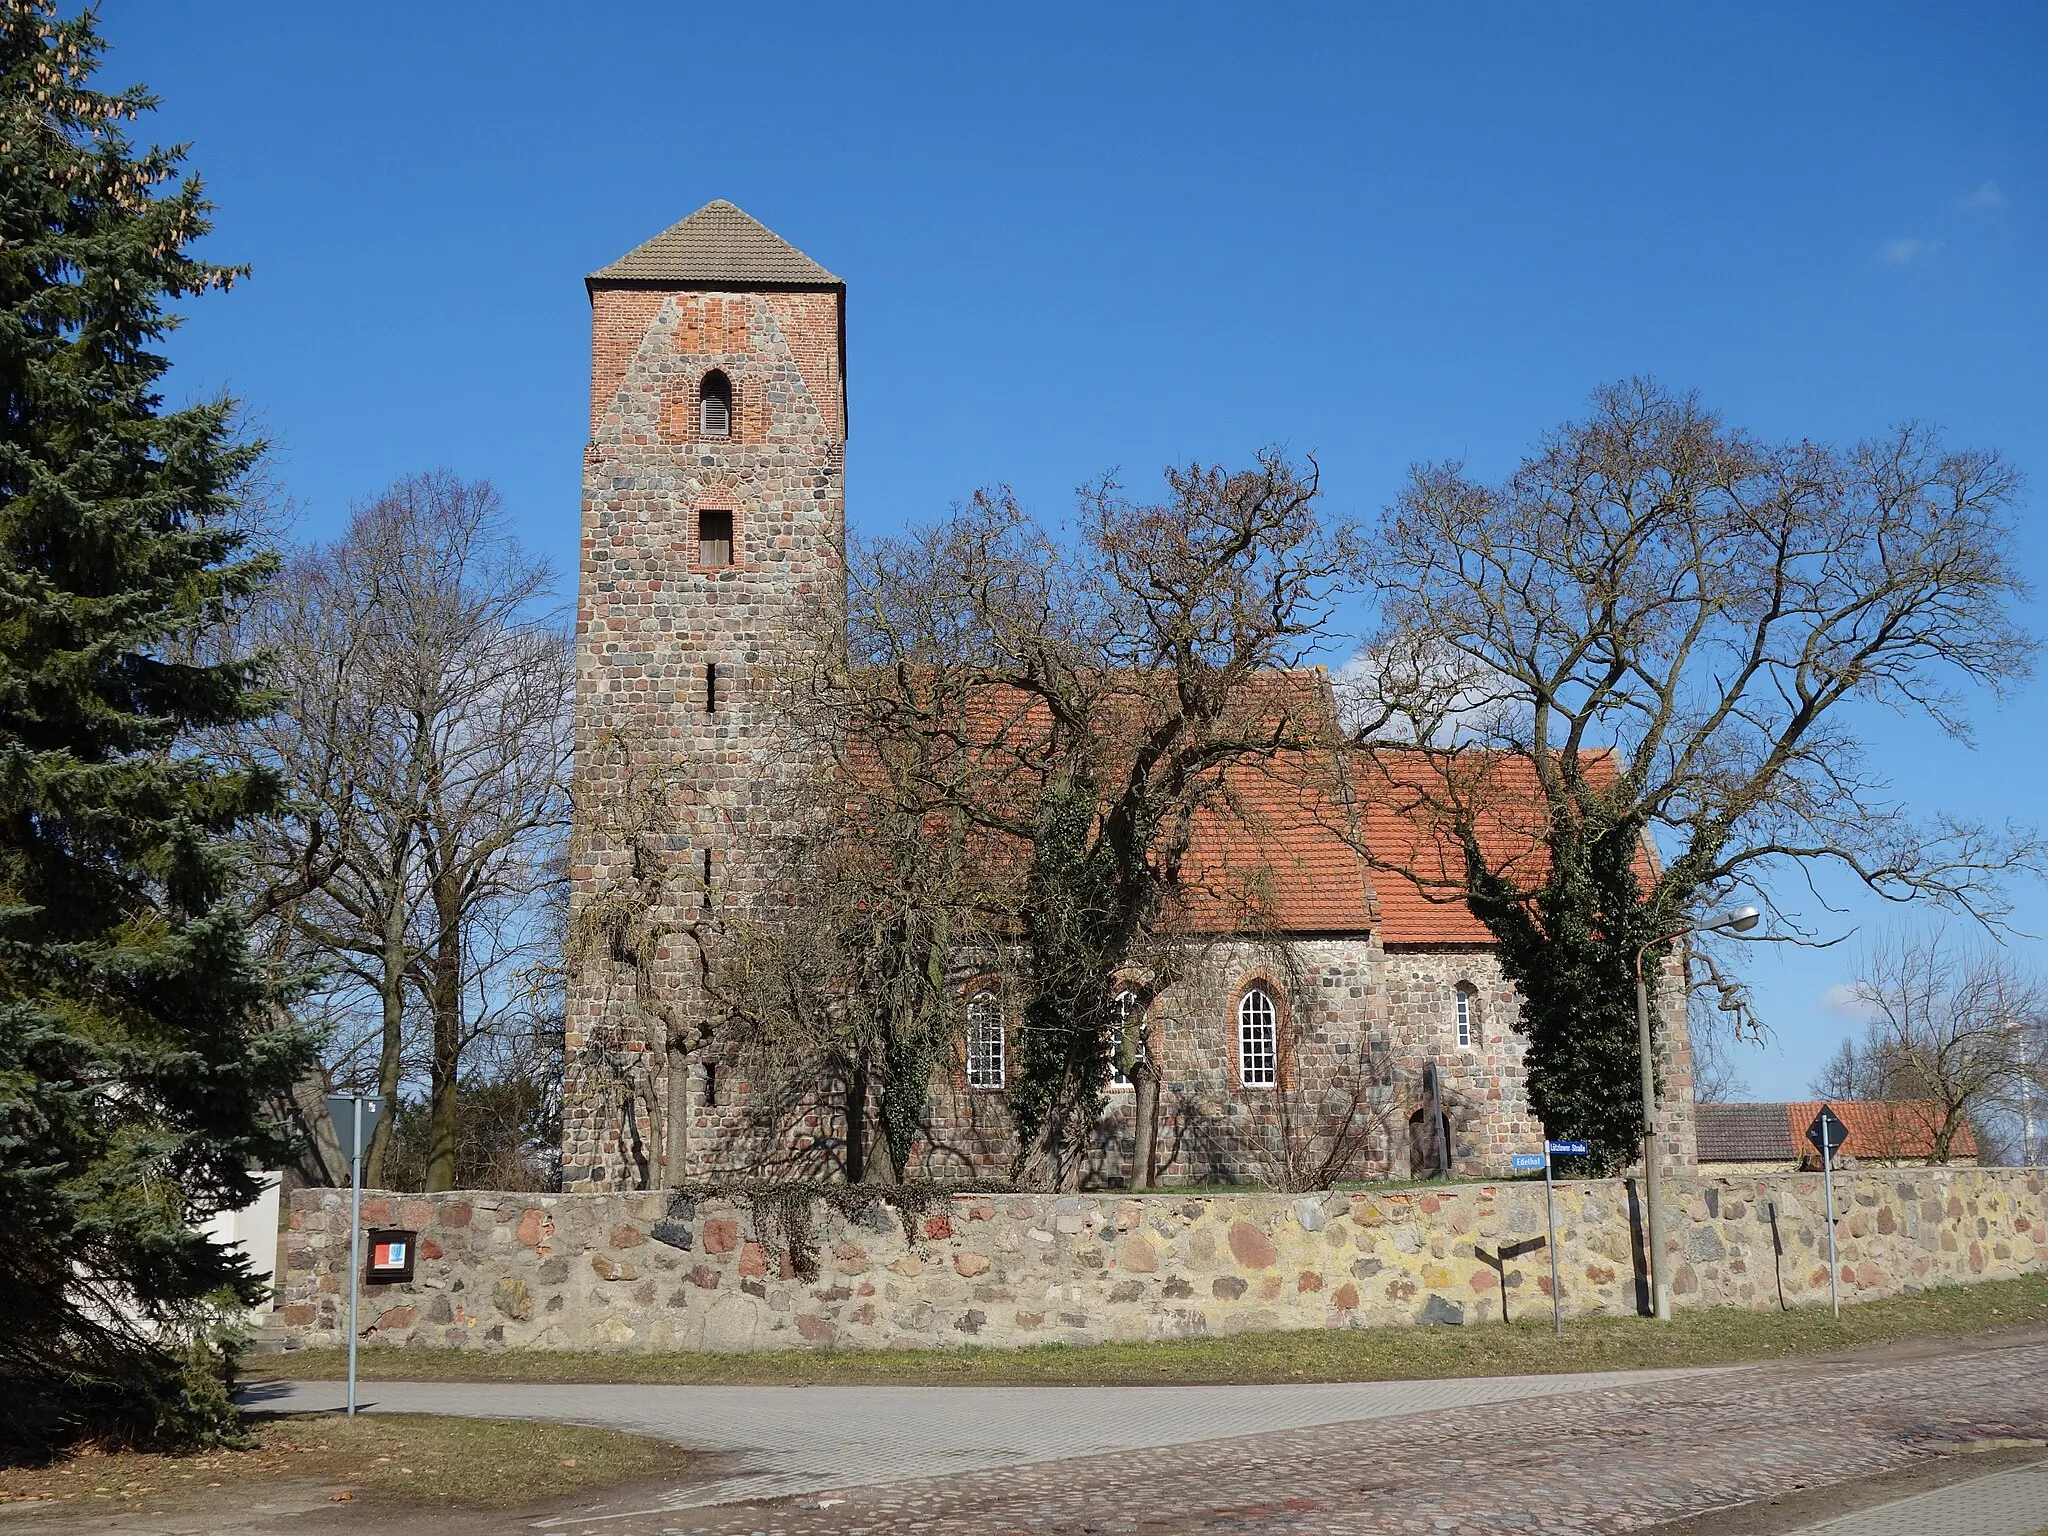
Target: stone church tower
x,y
713,546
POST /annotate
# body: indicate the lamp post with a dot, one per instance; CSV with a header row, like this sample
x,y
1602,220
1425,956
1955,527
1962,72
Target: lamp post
x,y
1739,921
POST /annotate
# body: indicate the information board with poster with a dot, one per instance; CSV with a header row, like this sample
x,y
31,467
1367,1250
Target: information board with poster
x,y
391,1256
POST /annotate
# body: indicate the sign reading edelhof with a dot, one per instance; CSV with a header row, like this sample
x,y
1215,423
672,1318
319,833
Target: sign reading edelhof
x,y
1827,1133
1528,1162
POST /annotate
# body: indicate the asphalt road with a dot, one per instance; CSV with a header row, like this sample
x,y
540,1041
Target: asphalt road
x,y
785,1441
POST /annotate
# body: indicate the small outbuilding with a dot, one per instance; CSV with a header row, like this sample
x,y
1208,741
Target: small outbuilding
x,y
1771,1138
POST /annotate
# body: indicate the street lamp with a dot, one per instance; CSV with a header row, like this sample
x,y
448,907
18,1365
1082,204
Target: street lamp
x,y
1739,921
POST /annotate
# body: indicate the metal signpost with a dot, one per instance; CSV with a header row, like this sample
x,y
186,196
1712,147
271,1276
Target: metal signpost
x,y
1529,1162
355,1117
1829,1134
1561,1148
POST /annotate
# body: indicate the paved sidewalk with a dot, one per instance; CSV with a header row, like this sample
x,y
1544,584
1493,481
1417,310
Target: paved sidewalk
x,y
796,1440
2003,1504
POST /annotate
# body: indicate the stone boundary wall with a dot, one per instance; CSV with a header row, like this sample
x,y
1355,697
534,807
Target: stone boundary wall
x,y
656,1272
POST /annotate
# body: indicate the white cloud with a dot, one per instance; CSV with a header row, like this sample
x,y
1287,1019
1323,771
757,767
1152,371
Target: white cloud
x,y
1906,250
1846,1001
1987,196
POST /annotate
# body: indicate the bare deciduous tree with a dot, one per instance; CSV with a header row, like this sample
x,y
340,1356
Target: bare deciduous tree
x,y
423,738
850,971
1085,704
1950,1033
1673,630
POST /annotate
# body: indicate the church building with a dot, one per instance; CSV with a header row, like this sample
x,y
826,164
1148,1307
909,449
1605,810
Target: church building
x,y
1362,1030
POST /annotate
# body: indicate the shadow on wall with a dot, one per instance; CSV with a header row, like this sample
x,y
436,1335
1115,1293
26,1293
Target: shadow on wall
x,y
704,1269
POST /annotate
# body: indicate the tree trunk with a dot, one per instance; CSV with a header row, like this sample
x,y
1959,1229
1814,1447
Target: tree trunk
x,y
321,1162
675,1144
1145,1123
1066,1141
443,1112
889,1163
882,1167
391,994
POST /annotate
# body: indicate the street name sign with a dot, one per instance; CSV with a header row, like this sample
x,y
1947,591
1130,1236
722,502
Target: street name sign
x,y
1528,1162
1567,1148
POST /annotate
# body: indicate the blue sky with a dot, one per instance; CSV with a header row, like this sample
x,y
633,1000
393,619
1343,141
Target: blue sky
x,y
1085,237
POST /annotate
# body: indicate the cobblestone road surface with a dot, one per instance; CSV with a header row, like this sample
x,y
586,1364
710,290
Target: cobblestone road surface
x,y
1611,1457
1611,1460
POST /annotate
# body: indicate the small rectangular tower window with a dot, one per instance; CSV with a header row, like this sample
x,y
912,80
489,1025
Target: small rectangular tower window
x,y
714,540
710,687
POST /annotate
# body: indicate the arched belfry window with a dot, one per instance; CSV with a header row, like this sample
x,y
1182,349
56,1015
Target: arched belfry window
x,y
714,405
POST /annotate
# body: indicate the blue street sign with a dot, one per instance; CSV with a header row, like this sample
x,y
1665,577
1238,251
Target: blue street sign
x,y
1561,1148
1526,1162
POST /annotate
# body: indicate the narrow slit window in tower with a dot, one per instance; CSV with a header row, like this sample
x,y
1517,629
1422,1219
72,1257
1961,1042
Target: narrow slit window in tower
x,y
714,405
710,687
714,539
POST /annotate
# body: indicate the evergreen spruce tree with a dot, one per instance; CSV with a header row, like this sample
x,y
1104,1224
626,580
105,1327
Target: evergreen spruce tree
x,y
133,1071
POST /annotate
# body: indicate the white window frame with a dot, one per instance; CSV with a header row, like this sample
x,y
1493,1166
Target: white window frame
x,y
1468,1024
985,1054
1128,1002
1258,1038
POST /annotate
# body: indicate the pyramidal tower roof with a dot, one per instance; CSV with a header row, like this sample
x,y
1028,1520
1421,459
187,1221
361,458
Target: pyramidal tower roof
x,y
718,246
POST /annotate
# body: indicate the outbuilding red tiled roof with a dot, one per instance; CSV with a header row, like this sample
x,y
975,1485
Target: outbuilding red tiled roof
x,y
1900,1130
1745,1133
1880,1130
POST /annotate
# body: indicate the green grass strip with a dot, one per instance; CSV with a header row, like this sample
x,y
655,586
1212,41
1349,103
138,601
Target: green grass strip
x,y
1697,1336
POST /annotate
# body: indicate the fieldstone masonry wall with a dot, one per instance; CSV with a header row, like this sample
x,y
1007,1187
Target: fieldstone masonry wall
x,y
682,772
652,1272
